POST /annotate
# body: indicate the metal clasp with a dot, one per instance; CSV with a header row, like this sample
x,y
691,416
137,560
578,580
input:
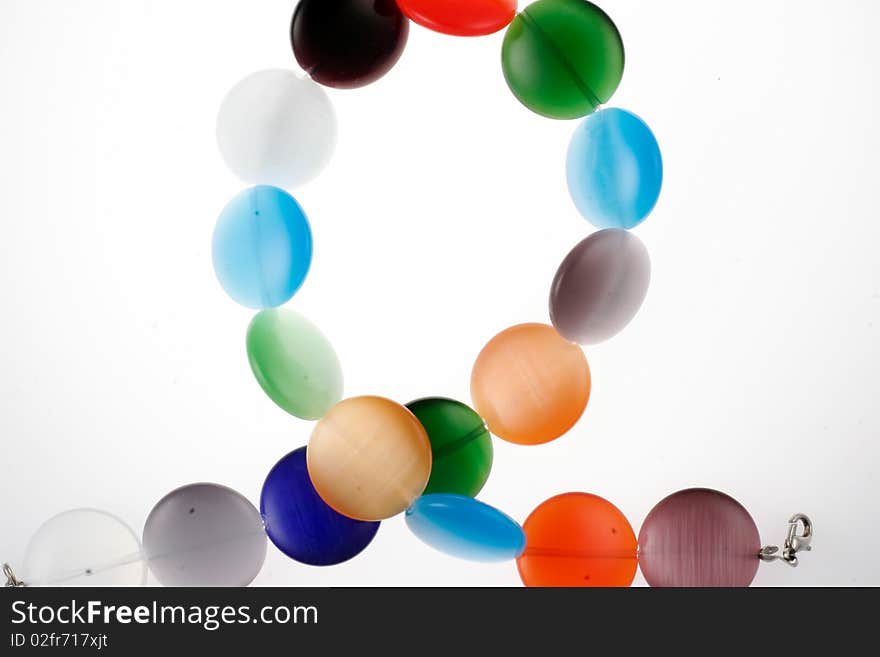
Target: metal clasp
x,y
794,542
11,579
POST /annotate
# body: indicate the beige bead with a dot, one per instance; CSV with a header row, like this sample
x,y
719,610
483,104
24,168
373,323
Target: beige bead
x,y
369,458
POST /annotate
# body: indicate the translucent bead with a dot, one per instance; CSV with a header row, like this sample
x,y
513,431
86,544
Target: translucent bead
x,y
466,528
578,539
348,43
369,458
204,535
262,247
276,128
300,523
562,58
699,537
460,17
84,547
530,384
600,286
294,363
614,169
461,445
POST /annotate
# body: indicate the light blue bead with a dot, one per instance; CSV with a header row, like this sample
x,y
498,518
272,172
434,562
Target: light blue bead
x,y
262,247
615,170
463,527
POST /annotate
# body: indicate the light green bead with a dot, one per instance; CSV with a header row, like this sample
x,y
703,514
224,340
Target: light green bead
x,y
294,363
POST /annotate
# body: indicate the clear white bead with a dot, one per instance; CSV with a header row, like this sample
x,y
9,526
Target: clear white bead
x,y
84,547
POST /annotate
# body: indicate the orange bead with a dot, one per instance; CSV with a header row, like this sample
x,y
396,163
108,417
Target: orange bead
x,y
369,458
578,539
530,384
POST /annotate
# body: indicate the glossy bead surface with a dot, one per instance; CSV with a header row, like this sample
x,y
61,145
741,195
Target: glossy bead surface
x,y
600,286
614,169
699,537
369,458
460,17
262,247
84,547
562,58
530,384
461,445
204,535
578,539
294,363
348,43
276,128
465,528
300,523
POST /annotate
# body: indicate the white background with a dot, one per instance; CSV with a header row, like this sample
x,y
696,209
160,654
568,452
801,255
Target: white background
x,y
752,367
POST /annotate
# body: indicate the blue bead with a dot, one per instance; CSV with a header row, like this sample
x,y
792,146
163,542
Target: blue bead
x,y
465,528
262,247
615,170
300,523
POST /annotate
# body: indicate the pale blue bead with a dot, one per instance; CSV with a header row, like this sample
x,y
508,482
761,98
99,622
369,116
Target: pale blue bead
x,y
262,247
615,170
463,527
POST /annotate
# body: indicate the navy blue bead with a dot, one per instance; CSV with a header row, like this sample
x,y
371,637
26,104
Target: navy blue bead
x,y
300,523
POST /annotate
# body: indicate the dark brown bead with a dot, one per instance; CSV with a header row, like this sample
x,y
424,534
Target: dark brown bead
x,y
348,43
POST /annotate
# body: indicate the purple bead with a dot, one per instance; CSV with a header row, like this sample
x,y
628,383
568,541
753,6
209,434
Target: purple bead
x,y
699,537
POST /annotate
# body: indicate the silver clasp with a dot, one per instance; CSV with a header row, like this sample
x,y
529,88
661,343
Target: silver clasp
x,y
794,542
11,579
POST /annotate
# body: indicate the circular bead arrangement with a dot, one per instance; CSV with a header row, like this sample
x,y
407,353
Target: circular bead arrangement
x,y
371,458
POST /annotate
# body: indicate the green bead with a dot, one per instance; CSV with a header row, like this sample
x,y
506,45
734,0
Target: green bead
x,y
562,58
294,363
461,445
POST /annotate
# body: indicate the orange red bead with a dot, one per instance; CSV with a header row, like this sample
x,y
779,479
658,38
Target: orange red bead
x,y
578,539
460,17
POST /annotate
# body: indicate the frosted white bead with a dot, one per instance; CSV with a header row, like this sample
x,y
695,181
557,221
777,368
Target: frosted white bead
x,y
276,128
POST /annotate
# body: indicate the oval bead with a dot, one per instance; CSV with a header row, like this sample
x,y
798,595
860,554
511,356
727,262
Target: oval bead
x,y
614,169
84,547
466,528
562,58
600,286
294,363
369,458
300,523
578,539
348,43
530,384
461,445
699,537
204,535
460,17
276,128
262,247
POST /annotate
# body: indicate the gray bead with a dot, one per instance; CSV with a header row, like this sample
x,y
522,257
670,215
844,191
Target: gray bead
x,y
204,535
600,286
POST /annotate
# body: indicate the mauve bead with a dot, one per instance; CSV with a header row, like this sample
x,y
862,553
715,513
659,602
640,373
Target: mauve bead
x,y
600,286
699,537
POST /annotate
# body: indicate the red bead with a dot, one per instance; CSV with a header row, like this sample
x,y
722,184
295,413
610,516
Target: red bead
x,y
460,17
